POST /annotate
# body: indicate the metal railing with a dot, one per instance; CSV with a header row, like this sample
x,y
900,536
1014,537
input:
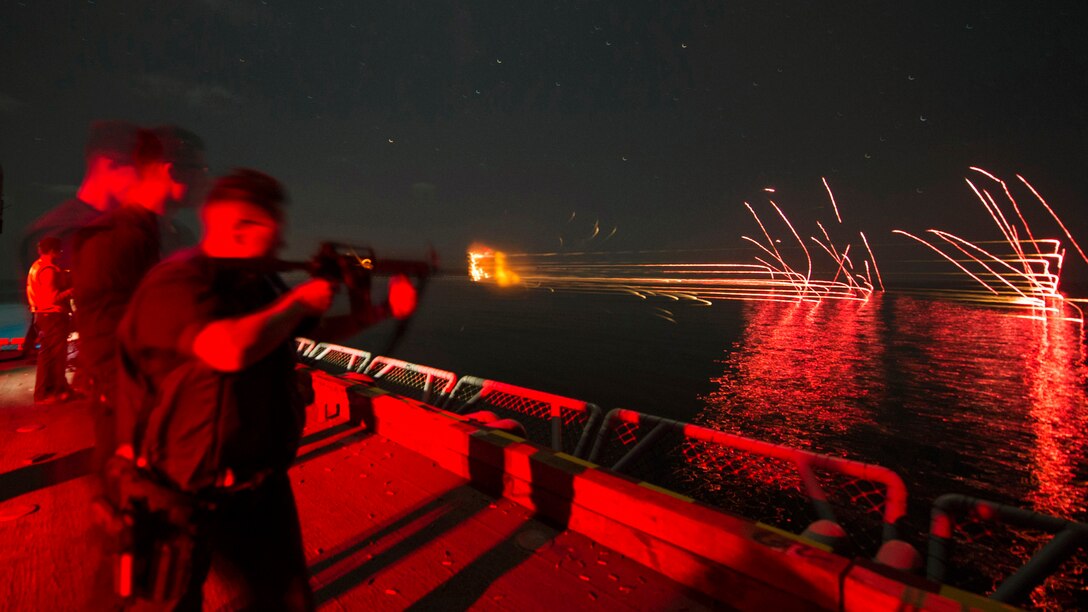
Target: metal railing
x,y
424,383
303,346
955,514
562,423
756,479
715,467
342,357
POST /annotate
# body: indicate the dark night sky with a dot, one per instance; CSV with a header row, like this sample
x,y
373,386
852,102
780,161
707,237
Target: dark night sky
x,y
403,122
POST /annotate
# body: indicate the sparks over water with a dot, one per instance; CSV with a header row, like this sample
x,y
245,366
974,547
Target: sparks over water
x,y
773,275
1017,271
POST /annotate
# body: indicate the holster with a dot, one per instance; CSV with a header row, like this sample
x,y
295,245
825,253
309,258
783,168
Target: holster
x,y
157,528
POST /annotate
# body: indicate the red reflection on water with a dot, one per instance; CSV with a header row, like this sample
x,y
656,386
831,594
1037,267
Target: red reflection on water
x,y
1057,375
955,397
1009,394
801,373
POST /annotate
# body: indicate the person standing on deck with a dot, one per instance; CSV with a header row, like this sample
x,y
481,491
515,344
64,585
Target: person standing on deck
x,y
109,174
48,296
212,407
114,253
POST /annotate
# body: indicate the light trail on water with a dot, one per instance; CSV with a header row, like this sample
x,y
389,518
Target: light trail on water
x,y
772,277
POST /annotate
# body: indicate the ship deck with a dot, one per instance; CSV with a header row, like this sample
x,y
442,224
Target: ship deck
x,y
404,505
384,527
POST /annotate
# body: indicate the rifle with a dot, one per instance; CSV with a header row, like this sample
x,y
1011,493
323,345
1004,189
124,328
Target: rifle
x,y
355,266
347,263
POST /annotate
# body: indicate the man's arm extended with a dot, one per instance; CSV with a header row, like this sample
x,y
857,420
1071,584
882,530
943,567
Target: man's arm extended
x,y
401,304
231,345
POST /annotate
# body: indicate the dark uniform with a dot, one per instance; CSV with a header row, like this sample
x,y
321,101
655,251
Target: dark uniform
x,y
112,256
225,437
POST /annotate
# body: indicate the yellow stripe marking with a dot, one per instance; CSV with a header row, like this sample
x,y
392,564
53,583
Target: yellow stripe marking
x,y
794,536
654,487
503,434
370,391
574,459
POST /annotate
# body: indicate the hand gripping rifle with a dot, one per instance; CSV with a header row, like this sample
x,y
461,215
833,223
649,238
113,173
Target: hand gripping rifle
x,y
355,266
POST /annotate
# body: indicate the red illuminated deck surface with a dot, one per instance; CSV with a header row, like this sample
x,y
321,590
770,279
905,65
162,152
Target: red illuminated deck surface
x,y
384,528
